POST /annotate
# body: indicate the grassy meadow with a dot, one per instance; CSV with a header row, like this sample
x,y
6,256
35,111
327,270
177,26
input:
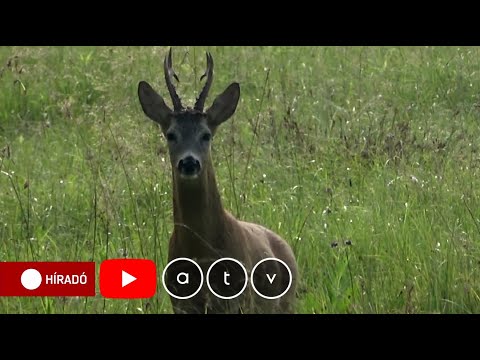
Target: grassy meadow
x,y
365,159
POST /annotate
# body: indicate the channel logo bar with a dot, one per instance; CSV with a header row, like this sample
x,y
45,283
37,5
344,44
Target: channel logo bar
x,y
182,278
47,278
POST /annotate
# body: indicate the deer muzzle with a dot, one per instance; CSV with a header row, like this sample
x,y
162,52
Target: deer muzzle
x,y
189,167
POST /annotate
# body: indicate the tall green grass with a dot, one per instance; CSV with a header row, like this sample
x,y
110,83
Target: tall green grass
x,y
365,159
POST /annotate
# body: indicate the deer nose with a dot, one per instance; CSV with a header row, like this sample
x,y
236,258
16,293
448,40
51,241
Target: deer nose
x,y
189,166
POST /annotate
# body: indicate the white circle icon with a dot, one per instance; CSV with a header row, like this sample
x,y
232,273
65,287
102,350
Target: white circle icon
x,y
31,279
289,279
234,295
197,267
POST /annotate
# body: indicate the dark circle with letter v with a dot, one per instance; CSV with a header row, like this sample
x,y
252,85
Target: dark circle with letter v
x,y
271,278
182,278
227,278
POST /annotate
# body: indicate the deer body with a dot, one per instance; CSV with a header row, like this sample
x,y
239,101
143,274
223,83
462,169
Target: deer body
x,y
203,230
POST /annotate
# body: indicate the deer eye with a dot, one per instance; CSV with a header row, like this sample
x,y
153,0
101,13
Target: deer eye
x,y
171,137
206,137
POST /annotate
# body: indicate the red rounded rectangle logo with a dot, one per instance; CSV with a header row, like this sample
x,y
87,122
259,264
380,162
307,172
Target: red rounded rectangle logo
x,y
128,278
47,278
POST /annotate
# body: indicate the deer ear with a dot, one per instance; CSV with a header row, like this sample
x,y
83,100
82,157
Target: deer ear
x,y
224,105
153,105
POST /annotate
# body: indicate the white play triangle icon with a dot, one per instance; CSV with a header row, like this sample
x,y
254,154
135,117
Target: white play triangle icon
x,y
127,278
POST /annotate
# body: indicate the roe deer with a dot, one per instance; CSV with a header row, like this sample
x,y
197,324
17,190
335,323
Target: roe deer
x,y
203,230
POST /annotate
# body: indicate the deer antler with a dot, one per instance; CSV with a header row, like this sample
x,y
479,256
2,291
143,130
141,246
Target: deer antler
x,y
177,104
209,74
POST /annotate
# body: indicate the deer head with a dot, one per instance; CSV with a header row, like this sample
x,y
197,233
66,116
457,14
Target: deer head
x,y
188,131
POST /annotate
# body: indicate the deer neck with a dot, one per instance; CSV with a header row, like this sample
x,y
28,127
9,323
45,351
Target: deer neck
x,y
198,213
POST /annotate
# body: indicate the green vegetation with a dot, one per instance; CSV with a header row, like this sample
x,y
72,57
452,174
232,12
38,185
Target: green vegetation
x,y
375,147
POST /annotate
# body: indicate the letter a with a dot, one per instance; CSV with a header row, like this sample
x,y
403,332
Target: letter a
x,y
187,277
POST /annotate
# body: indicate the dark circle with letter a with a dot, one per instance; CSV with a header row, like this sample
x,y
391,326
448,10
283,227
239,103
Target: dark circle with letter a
x,y
182,278
271,278
227,278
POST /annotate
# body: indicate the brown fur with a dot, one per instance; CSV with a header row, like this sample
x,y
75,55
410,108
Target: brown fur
x,y
205,232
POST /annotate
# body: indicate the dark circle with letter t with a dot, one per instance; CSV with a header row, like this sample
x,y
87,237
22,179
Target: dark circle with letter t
x,y
227,278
